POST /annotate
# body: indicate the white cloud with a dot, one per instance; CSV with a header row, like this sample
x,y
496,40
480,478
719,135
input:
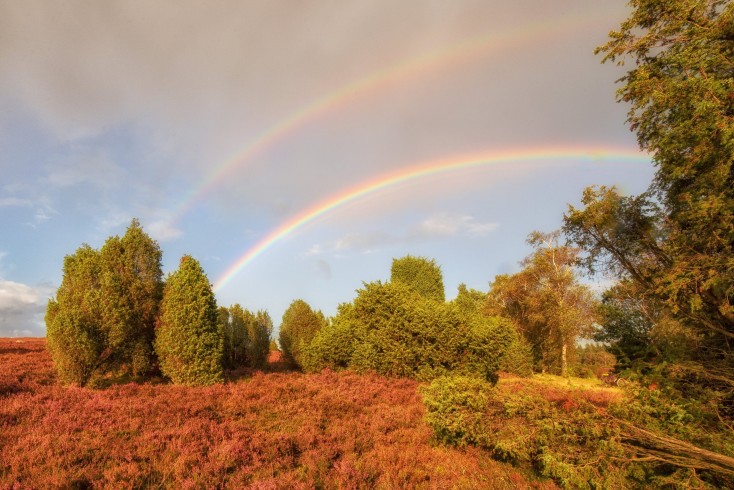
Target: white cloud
x,y
437,226
449,224
163,230
14,202
22,308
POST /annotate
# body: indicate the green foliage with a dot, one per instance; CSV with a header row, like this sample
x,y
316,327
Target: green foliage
x,y
131,287
593,361
332,347
73,320
673,247
419,274
259,330
546,302
189,341
391,329
299,326
518,358
103,319
233,323
456,409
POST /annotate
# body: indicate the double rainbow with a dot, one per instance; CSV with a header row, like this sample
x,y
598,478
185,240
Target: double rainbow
x,y
503,42
404,175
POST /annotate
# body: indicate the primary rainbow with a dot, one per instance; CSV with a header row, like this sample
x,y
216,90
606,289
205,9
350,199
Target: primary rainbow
x,y
503,41
403,175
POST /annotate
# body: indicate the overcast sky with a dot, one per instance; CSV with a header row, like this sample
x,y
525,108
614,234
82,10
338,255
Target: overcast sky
x,y
218,123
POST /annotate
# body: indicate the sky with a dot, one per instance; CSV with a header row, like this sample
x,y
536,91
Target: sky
x,y
295,148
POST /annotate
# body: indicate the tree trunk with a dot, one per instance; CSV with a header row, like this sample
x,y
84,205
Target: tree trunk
x,y
564,361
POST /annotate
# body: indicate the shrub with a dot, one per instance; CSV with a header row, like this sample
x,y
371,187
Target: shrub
x,y
456,409
189,341
391,329
420,274
299,326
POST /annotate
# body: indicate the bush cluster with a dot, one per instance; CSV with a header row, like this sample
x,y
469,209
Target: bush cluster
x,y
115,318
392,330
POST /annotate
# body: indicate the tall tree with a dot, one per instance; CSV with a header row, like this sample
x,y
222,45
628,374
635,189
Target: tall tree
x,y
675,243
546,301
189,341
299,326
420,274
131,283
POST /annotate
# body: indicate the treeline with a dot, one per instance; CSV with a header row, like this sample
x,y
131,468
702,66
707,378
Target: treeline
x,y
114,316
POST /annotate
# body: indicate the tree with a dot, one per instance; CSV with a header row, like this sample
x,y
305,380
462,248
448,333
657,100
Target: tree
x,y
189,341
259,330
76,340
674,243
108,301
131,286
233,323
546,301
420,274
299,326
682,109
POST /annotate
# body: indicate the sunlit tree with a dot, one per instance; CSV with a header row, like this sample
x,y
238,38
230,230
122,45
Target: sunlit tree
x,y
189,341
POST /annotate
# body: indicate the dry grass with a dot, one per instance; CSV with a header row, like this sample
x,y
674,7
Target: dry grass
x,y
259,430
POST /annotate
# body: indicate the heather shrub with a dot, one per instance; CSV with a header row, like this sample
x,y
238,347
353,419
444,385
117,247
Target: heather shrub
x,y
299,326
456,409
189,341
420,274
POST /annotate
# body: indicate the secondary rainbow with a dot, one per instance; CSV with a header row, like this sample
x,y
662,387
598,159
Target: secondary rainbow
x,y
503,41
416,172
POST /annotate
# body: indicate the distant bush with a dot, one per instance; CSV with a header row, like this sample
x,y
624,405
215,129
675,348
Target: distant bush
x,y
299,326
259,331
456,408
189,341
392,330
593,361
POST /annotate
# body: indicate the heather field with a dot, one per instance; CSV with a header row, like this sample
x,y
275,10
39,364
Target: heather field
x,y
272,429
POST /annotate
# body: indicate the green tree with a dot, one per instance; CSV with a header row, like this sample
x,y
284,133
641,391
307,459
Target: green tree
x,y
259,331
76,340
299,326
674,244
233,323
546,302
131,286
189,341
421,275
